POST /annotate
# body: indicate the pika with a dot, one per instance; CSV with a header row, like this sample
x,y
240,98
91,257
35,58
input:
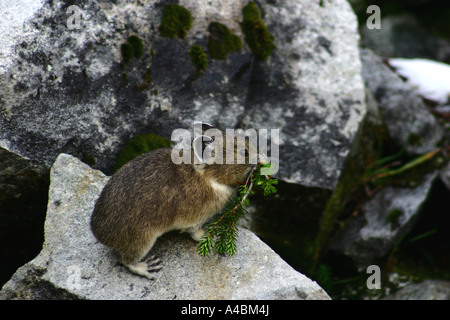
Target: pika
x,y
151,195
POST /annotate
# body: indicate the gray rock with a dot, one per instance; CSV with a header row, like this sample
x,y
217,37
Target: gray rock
x,y
425,290
382,221
409,122
73,265
402,36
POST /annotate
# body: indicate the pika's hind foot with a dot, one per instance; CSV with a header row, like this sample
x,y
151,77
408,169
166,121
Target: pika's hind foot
x,y
147,267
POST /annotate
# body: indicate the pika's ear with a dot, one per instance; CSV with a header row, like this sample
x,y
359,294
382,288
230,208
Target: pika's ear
x,y
206,126
199,144
201,126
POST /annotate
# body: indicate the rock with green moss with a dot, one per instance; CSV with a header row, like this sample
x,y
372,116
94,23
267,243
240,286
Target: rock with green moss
x,y
383,220
221,41
257,35
176,21
198,58
139,145
411,125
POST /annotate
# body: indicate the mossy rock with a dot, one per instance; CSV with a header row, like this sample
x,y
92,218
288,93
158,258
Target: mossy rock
x,y
198,58
257,35
176,21
139,145
221,41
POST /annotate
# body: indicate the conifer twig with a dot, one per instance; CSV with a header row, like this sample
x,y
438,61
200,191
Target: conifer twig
x,y
224,230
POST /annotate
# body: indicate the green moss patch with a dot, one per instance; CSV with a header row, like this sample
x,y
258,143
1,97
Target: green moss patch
x,y
257,35
137,45
146,82
221,41
176,21
392,218
132,48
414,139
140,145
127,52
198,58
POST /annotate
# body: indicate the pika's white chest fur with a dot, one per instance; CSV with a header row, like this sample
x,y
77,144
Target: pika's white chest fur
x,y
222,191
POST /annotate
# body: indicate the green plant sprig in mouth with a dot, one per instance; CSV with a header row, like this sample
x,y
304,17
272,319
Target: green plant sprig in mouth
x,y
221,233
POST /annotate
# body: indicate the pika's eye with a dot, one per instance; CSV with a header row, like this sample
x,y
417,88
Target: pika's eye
x,y
243,153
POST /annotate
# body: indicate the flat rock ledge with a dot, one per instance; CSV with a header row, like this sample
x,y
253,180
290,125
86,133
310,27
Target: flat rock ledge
x,y
73,265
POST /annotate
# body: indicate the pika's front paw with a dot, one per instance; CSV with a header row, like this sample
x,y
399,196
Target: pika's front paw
x,y
147,267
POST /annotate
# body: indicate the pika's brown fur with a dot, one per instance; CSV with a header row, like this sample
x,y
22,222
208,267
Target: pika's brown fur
x,y
151,195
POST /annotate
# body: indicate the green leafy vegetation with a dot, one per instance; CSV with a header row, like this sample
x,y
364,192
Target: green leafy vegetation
x,y
176,21
223,231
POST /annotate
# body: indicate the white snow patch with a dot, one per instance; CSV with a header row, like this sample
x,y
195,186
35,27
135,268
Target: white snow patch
x,y
432,78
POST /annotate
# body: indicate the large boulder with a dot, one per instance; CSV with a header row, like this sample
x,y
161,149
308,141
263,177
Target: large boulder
x,y
72,264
